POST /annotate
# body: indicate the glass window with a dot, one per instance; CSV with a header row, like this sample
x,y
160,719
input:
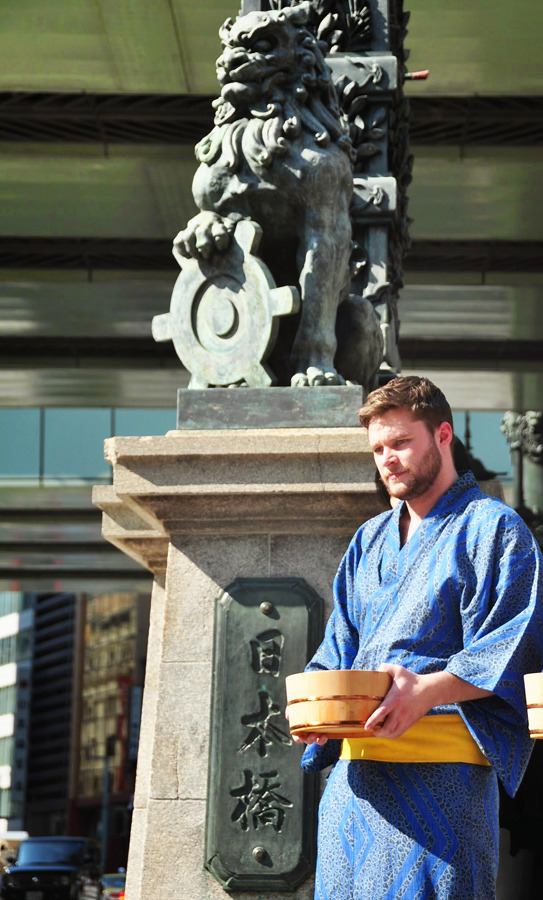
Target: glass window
x,y
7,650
6,751
140,422
20,443
8,700
14,601
24,646
114,881
488,443
74,443
15,648
50,853
5,804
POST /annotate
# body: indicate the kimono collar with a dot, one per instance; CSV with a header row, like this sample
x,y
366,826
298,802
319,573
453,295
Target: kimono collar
x,y
464,485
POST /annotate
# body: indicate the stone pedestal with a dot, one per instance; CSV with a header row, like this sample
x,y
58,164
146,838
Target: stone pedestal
x,y
200,509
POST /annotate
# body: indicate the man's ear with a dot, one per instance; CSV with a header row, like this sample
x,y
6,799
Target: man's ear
x,y
444,434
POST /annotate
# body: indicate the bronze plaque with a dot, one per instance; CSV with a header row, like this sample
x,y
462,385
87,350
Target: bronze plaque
x,y
261,810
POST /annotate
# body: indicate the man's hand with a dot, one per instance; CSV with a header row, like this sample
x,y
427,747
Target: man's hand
x,y
411,696
309,738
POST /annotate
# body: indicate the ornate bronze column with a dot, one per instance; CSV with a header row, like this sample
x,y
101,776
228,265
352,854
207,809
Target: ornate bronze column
x,y
307,165
366,54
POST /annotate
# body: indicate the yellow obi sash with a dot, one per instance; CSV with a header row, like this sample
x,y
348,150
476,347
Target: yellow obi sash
x,y
438,738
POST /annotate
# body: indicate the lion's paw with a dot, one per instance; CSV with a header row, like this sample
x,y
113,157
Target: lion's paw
x,y
205,234
315,376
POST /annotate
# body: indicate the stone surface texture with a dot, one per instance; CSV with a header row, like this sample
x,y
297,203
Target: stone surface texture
x,y
200,509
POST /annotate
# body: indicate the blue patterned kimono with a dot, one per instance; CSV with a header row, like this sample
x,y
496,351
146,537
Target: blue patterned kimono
x,y
464,595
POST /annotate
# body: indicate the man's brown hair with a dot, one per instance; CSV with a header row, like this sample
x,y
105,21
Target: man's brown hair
x,y
417,395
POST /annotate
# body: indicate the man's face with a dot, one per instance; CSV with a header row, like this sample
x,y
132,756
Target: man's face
x,y
406,453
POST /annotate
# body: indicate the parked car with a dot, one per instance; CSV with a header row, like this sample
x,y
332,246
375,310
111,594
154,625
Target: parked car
x,y
53,868
113,884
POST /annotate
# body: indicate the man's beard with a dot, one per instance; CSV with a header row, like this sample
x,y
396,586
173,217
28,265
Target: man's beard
x,y
421,476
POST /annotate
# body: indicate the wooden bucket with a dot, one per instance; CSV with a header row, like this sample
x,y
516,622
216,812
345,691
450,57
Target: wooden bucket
x,y
533,686
336,703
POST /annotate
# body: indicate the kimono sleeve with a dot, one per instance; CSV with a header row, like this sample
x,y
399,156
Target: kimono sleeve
x,y
502,625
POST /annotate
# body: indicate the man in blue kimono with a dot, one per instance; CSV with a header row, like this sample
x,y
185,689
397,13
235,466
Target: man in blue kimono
x,y
444,592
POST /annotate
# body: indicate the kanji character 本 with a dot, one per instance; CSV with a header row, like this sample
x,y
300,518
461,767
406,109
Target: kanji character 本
x,y
262,731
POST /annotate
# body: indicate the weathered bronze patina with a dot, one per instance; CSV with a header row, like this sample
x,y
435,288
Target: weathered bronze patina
x,y
301,146
261,812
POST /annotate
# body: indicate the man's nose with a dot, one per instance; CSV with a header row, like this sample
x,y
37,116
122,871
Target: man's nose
x,y
389,456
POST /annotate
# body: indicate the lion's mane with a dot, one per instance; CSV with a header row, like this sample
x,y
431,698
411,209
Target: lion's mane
x,y
286,89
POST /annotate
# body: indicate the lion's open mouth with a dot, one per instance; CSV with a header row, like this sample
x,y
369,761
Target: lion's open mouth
x,y
239,73
249,71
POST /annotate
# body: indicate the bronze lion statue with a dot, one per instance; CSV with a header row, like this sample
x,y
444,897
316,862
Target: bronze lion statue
x,y
280,154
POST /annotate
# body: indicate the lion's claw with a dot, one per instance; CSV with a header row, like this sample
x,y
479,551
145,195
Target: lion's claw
x,y
205,233
315,376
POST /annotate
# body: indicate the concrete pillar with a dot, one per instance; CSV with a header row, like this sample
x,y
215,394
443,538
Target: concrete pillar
x,y
199,509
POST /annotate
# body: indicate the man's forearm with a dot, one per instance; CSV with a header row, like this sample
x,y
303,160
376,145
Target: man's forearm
x,y
444,687
411,696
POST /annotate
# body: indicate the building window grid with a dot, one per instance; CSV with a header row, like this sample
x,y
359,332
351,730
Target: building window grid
x,y
8,699
35,425
7,746
109,661
141,421
109,656
14,601
5,803
15,648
